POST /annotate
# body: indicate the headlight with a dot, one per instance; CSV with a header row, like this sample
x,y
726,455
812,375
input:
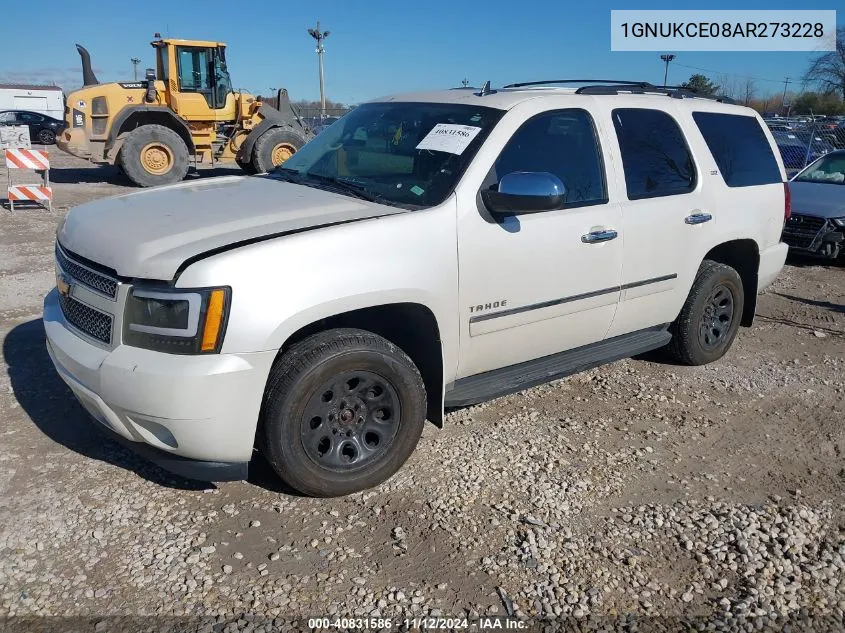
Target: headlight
x,y
839,222
176,321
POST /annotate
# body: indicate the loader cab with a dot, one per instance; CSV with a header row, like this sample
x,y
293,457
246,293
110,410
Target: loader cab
x,y
197,81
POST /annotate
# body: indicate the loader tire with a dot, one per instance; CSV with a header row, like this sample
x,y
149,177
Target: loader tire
x,y
274,147
154,155
246,166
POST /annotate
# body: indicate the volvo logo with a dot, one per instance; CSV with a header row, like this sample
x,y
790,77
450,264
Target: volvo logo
x,y
63,284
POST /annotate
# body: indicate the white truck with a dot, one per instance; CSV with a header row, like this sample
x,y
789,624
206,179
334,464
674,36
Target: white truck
x,y
47,100
426,251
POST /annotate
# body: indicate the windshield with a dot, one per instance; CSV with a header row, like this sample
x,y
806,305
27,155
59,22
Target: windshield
x,y
830,169
403,154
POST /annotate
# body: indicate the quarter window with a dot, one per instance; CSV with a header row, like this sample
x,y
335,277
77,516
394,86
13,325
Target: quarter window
x,y
739,147
563,143
655,155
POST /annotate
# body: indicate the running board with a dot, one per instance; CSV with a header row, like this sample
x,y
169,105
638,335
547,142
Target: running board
x,y
507,380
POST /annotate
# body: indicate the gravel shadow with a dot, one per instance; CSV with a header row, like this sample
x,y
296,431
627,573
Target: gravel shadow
x,y
55,411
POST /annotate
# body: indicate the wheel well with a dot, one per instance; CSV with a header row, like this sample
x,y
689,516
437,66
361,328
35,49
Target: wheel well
x,y
744,257
158,116
410,326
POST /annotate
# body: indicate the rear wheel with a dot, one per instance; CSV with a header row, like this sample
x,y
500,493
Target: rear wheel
x,y
154,155
46,137
707,325
344,409
274,147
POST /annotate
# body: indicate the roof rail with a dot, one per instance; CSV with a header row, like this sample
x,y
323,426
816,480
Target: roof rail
x,y
614,87
571,81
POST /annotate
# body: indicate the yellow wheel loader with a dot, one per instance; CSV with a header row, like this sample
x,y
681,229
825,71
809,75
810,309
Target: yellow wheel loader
x,y
185,113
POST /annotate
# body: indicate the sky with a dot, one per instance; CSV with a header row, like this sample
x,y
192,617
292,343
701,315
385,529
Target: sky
x,y
375,47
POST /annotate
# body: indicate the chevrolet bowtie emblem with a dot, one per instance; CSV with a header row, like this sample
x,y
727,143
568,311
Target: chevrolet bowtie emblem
x,y
63,284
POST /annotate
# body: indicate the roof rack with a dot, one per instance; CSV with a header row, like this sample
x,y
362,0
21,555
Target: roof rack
x,y
614,87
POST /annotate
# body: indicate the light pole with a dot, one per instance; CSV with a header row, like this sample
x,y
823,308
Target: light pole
x,y
465,82
319,36
135,61
666,58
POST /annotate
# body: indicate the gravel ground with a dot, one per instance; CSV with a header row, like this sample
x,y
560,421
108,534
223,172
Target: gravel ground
x,y
640,492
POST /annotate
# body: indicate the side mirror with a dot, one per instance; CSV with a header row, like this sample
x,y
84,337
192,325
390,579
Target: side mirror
x,y
525,192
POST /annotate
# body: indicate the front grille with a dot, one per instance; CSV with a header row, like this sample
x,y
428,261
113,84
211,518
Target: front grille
x,y
801,230
94,323
97,282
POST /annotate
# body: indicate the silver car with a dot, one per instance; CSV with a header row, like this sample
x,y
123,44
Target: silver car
x,y
817,224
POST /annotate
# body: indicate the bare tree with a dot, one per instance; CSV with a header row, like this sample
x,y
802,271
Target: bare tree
x,y
749,89
828,69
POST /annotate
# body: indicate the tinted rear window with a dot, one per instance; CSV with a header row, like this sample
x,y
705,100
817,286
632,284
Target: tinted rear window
x,y
740,148
655,156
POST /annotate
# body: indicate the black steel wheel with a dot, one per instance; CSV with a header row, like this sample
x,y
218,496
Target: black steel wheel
x,y
343,411
709,320
352,420
716,318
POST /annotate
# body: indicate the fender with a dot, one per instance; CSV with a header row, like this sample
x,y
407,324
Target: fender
x,y
178,124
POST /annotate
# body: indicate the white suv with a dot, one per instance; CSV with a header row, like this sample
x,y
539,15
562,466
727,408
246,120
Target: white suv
x,y
425,251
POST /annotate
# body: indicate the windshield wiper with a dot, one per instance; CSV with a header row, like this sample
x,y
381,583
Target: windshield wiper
x,y
346,187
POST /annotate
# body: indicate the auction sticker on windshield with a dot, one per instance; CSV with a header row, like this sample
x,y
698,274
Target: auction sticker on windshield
x,y
449,137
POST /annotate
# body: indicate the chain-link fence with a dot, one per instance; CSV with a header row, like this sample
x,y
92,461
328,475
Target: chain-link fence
x,y
802,140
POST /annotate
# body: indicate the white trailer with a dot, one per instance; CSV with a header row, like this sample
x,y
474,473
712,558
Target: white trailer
x,y
47,100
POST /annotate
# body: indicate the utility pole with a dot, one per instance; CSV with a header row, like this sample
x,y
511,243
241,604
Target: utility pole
x,y
319,36
135,61
666,58
783,98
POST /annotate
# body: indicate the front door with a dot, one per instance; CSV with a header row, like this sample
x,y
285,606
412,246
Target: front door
x,y
536,284
204,87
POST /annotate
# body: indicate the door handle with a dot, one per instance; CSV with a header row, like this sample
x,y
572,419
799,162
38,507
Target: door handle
x,y
604,235
698,218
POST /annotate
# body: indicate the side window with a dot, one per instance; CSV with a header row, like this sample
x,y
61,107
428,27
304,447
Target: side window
x,y
739,147
563,143
193,69
655,156
7,117
29,117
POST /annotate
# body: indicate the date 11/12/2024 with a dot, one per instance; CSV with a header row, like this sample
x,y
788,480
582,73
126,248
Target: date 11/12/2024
x,y
417,623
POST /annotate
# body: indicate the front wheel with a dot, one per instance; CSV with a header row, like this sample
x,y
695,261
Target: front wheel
x,y
274,147
707,325
343,411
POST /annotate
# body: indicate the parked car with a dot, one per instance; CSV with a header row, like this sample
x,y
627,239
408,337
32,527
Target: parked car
x,y
428,250
794,152
817,224
43,129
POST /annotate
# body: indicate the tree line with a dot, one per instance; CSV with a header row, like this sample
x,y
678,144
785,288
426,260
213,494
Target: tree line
x,y
823,93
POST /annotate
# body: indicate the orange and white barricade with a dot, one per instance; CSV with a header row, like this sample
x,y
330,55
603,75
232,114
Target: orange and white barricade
x,y
36,160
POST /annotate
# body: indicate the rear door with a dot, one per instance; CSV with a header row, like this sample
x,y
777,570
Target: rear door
x,y
666,216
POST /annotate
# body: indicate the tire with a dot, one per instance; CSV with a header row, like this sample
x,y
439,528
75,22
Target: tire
x,y
309,432
160,146
708,323
267,143
46,137
247,166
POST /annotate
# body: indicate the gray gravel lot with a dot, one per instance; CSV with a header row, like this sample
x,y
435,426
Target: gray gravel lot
x,y
640,488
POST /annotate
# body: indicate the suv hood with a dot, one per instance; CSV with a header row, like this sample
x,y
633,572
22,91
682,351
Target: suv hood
x,y
823,200
148,234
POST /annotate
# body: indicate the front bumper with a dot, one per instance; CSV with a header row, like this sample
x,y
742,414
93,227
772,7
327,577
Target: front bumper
x,y
813,235
193,415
